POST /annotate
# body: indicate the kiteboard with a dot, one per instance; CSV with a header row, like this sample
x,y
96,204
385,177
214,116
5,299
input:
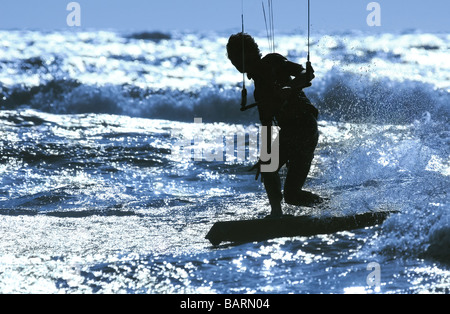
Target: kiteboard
x,y
242,231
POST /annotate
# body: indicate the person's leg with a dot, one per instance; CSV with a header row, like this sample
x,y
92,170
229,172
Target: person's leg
x,y
297,173
272,183
300,157
295,179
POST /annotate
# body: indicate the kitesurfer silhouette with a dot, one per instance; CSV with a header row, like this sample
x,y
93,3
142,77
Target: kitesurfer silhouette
x,y
281,101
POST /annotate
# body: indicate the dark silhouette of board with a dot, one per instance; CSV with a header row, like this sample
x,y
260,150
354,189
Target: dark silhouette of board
x,y
241,231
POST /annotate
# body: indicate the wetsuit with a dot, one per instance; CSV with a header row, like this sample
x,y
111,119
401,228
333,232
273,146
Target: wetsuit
x,y
297,119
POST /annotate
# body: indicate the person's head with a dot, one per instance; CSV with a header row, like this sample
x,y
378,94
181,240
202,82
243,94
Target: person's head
x,y
251,51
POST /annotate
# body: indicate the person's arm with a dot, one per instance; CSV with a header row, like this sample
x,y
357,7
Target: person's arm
x,y
302,78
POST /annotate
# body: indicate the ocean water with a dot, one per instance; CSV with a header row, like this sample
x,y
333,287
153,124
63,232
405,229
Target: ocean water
x,y
95,199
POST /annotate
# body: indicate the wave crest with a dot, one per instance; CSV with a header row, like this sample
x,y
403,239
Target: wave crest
x,y
339,96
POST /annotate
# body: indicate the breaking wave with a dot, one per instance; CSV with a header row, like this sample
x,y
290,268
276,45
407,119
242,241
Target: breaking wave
x,y
339,96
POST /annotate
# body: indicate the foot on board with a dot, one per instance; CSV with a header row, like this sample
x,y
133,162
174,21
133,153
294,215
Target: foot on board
x,y
304,198
272,216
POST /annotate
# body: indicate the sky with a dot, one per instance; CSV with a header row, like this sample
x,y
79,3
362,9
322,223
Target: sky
x,y
218,15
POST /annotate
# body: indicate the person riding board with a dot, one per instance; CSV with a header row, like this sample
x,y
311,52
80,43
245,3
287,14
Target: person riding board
x,y
282,102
